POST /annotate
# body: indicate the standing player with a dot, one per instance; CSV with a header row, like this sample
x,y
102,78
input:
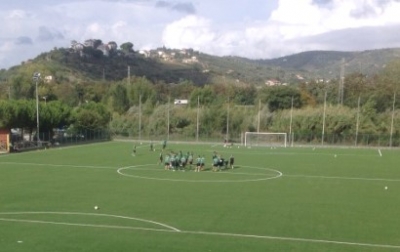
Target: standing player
x,y
202,162
231,161
160,158
167,163
134,150
190,160
198,164
164,145
151,146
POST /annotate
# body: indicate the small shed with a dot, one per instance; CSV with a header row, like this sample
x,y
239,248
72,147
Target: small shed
x,y
4,140
181,102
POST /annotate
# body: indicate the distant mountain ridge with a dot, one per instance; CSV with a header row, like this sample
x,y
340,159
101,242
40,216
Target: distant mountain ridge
x,y
174,66
327,64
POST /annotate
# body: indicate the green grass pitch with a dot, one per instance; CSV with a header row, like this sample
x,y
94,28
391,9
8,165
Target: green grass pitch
x,y
279,199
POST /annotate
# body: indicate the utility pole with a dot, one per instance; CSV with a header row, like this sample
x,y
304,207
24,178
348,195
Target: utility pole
x,y
227,123
140,117
341,83
36,78
259,115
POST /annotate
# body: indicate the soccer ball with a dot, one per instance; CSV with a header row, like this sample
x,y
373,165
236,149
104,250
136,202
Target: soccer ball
x,y
386,187
96,208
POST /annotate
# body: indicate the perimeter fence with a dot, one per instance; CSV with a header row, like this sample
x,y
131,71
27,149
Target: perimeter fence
x,y
293,140
57,138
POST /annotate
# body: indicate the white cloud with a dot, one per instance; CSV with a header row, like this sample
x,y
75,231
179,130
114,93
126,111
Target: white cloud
x,y
262,29
190,31
285,31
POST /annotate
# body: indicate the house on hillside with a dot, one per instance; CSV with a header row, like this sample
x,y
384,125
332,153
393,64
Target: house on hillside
x,y
273,82
104,49
48,79
145,53
181,102
193,59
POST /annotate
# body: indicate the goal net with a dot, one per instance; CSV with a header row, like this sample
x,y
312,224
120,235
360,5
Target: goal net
x,y
264,139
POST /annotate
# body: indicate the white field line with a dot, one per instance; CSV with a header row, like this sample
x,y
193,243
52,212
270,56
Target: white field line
x,y
87,214
84,225
278,175
244,236
343,178
152,169
60,165
294,239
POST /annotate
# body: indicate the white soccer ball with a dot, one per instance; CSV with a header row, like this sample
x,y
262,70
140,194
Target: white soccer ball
x,y
96,208
386,187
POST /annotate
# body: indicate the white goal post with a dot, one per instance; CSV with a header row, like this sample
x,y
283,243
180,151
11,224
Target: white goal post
x,y
265,139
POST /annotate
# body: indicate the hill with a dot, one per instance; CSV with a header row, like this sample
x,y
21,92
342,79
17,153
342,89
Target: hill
x,y
327,64
164,65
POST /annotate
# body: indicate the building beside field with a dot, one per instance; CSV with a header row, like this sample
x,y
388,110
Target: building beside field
x,y
181,102
4,140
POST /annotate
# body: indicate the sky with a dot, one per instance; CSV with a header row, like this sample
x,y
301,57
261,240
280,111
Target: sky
x,y
256,29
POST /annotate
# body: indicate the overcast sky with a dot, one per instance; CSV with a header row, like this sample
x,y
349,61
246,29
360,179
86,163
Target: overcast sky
x,y
250,28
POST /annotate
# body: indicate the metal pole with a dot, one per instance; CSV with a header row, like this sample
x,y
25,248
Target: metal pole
x,y
291,121
198,111
169,98
259,115
37,114
140,117
36,77
323,121
358,120
391,126
227,123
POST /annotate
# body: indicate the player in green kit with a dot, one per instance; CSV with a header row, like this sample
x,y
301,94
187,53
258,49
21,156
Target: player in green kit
x,y
160,158
167,164
202,163
172,160
198,164
134,151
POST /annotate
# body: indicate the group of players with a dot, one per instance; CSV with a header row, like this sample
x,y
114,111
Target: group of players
x,y
186,161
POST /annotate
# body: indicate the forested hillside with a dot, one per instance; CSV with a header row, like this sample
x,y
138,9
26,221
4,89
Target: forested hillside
x,y
132,93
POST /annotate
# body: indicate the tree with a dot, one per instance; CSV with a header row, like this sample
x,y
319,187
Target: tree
x,y
206,96
356,85
127,47
280,97
120,99
90,116
244,95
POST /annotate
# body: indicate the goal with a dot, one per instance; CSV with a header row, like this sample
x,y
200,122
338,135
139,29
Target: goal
x,y
265,139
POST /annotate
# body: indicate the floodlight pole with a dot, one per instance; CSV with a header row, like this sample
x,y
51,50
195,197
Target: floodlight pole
x,y
323,121
140,117
227,122
197,124
36,77
391,126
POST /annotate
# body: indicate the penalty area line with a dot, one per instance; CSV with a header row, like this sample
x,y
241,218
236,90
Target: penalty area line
x,y
266,237
294,239
89,225
342,178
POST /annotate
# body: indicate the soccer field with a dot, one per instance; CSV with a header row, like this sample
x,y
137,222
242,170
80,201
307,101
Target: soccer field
x,y
279,199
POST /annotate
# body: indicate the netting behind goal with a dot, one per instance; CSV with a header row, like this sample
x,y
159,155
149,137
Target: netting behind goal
x,y
264,139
